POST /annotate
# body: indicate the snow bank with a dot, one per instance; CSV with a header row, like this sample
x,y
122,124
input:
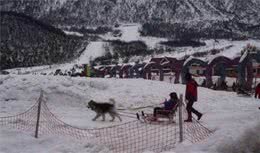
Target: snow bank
x,y
224,112
248,142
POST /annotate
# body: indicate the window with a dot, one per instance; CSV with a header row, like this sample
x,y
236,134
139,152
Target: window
x,y
258,70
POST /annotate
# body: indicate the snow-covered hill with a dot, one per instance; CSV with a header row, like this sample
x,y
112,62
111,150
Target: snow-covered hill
x,y
224,112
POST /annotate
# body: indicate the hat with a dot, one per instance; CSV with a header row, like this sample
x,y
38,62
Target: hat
x,y
187,76
173,95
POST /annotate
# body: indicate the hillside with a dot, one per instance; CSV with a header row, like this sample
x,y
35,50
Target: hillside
x,y
206,17
29,42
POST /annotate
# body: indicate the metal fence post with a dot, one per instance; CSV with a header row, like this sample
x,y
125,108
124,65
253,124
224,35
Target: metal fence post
x,y
38,115
180,118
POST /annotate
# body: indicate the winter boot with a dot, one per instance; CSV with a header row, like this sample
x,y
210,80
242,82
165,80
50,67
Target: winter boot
x,y
199,116
189,117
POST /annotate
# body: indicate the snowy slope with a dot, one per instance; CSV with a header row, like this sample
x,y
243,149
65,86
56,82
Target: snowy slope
x,y
93,50
130,32
224,112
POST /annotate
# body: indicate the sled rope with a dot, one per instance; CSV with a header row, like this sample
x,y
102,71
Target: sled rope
x,y
137,108
127,115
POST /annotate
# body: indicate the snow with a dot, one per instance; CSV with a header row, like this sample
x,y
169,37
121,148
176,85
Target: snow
x,y
210,60
93,50
73,33
231,49
227,114
130,32
187,60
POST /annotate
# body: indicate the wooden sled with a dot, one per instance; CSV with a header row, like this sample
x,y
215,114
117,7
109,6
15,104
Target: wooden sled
x,y
162,116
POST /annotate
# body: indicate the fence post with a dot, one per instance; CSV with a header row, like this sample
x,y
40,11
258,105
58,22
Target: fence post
x,y
180,118
38,114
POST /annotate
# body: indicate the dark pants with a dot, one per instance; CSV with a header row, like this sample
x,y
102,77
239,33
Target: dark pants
x,y
156,110
190,110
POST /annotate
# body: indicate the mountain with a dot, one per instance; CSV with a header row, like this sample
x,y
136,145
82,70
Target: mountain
x,y
29,42
239,16
111,11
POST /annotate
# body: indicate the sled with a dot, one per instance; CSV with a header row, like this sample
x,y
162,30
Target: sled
x,y
244,93
162,117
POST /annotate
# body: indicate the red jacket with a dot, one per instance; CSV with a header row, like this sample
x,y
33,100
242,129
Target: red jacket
x,y
257,91
191,93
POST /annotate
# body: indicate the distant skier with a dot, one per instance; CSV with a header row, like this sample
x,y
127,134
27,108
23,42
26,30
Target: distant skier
x,y
257,92
191,96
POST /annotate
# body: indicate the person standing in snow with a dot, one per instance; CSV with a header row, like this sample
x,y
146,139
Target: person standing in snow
x,y
168,104
257,92
191,96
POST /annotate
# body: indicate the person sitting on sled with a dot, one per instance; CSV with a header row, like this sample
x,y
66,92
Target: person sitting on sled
x,y
168,105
